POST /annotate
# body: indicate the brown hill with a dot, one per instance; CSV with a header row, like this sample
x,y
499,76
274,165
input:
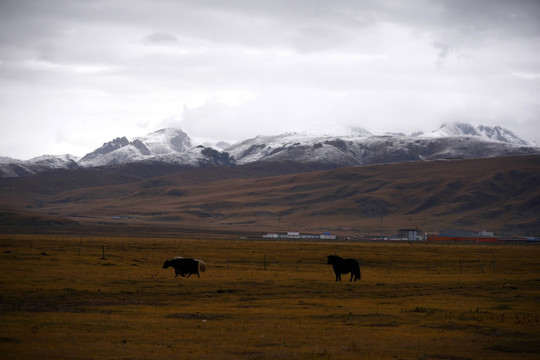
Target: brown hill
x,y
495,194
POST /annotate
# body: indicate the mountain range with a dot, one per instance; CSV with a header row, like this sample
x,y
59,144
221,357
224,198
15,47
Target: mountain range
x,y
326,147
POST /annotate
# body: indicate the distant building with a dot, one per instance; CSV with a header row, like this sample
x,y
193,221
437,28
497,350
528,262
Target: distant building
x,y
297,235
465,233
327,236
454,232
409,234
468,236
484,233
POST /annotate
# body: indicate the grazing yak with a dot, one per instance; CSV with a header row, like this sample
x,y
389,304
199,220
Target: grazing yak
x,y
185,266
344,266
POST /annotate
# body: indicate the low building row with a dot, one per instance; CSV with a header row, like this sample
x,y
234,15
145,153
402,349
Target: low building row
x,y
297,235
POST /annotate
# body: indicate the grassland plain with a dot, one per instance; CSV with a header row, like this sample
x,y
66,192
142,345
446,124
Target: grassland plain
x,y
94,297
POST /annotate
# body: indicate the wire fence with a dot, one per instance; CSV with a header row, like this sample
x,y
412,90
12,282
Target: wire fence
x,y
267,256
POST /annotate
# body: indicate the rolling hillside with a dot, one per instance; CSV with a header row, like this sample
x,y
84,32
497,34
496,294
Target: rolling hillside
x,y
495,194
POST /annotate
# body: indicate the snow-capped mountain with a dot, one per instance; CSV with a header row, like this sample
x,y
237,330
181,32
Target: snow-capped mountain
x,y
171,146
500,134
16,168
317,145
10,167
65,161
197,157
352,147
330,147
121,150
495,133
164,141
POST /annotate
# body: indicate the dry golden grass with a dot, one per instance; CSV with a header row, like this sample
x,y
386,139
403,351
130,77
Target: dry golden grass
x,y
60,298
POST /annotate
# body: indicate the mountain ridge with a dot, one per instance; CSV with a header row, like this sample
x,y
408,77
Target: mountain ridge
x,y
495,133
332,146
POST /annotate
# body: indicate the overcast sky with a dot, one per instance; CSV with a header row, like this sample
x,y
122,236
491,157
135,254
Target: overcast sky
x,y
76,74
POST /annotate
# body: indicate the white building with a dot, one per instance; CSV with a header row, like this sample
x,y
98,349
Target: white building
x,y
327,236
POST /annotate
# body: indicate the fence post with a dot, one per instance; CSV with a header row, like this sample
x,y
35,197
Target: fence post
x,y
103,250
481,267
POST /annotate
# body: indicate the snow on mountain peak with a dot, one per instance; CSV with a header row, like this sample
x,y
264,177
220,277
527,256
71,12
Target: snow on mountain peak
x,y
165,141
45,158
335,131
353,146
65,161
320,133
7,160
339,146
276,146
500,134
121,150
495,133
454,129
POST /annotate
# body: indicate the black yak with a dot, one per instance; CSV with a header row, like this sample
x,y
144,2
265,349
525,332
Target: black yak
x,y
185,266
344,266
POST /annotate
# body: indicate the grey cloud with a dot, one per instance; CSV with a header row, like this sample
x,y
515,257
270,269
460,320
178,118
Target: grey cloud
x,y
300,62
160,38
443,51
317,38
519,17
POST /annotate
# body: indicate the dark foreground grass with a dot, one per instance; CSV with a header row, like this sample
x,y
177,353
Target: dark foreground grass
x,y
94,298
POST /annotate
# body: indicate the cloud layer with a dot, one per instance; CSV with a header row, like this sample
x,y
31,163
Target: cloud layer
x,y
74,74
